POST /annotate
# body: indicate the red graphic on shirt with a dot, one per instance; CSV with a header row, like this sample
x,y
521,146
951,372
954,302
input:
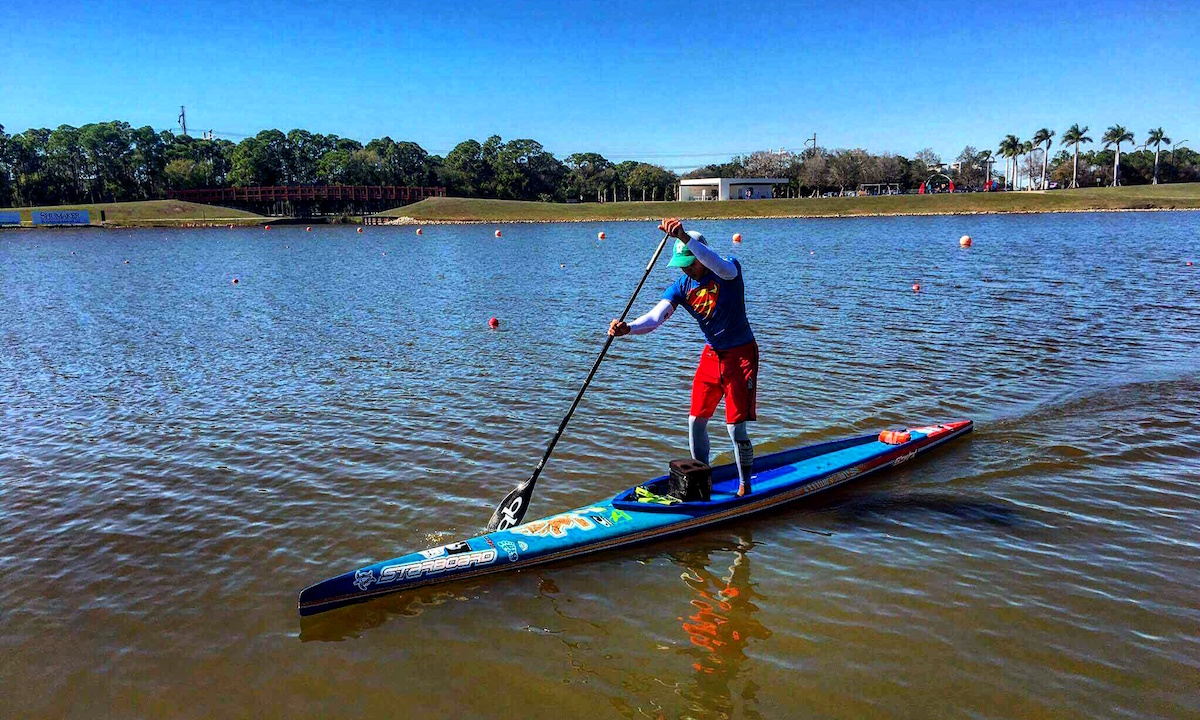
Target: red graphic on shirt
x,y
703,299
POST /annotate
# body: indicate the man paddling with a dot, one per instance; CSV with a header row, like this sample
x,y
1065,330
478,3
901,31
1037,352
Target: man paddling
x,y
712,290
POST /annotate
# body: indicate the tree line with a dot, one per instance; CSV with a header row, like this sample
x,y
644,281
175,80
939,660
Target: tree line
x,y
113,161
1142,164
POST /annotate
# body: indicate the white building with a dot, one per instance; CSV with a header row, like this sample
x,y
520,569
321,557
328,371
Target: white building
x,y
728,188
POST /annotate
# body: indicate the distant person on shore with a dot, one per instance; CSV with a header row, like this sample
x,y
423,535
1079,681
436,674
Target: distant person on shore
x,y
712,290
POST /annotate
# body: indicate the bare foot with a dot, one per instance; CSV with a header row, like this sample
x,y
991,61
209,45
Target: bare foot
x,y
743,490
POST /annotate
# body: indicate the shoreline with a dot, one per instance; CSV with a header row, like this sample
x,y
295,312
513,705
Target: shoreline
x,y
479,211
405,221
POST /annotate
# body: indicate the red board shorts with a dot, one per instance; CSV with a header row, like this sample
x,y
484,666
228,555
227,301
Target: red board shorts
x,y
731,374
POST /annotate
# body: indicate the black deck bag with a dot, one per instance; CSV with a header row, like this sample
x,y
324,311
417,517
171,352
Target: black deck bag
x,y
690,480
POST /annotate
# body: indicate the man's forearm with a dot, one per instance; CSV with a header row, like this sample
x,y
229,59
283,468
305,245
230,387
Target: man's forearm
x,y
651,320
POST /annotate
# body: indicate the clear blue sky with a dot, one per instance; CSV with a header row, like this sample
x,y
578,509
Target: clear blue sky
x,y
679,83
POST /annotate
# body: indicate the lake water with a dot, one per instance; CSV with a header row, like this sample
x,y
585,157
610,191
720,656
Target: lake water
x,y
181,455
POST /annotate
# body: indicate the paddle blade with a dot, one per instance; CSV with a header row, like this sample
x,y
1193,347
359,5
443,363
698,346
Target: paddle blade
x,y
512,508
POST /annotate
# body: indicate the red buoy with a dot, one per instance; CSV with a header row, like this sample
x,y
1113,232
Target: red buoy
x,y
916,287
493,323
1189,261
497,233
235,281
418,231
964,241
600,235
360,231
267,227
308,229
737,237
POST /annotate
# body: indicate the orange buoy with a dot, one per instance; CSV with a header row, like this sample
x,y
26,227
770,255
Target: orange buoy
x,y
418,231
964,241
308,229
737,237
600,235
497,234
235,281
916,287
493,323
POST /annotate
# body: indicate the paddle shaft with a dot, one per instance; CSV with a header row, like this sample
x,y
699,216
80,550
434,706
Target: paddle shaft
x,y
513,507
596,366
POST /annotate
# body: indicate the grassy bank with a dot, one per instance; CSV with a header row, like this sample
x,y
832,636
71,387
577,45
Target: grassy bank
x,y
1140,197
152,213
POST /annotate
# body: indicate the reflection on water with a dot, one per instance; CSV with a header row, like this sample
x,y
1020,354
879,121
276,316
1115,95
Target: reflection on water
x,y
720,625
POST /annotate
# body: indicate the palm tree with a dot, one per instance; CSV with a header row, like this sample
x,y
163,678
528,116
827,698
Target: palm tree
x,y
1044,137
1157,138
1116,135
1074,136
1008,148
986,158
1026,148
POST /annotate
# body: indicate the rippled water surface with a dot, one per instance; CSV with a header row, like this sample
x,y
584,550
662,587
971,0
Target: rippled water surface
x,y
180,455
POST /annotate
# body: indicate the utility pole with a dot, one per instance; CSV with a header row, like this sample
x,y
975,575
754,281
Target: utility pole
x,y
183,119
812,140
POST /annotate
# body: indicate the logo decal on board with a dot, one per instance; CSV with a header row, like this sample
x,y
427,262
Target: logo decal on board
x,y
423,568
558,525
363,579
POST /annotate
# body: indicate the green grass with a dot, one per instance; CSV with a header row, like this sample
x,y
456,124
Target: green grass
x,y
1139,197
155,213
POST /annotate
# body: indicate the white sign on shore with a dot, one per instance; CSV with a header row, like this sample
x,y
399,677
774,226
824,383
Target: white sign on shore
x,y
10,218
61,217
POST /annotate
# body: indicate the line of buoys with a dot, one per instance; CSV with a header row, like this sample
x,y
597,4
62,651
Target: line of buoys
x,y
600,235
964,241
497,233
418,231
737,237
916,287
494,323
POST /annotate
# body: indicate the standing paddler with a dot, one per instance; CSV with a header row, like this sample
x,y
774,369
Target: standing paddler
x,y
712,290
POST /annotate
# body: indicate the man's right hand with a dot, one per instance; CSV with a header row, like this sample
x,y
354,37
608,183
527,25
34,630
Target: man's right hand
x,y
617,328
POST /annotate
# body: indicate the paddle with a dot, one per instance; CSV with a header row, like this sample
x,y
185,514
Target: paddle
x,y
510,510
